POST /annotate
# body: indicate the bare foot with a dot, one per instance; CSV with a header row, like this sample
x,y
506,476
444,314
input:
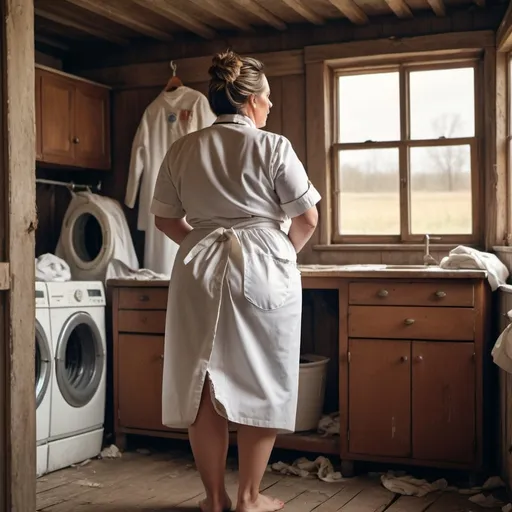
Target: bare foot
x,y
262,504
205,506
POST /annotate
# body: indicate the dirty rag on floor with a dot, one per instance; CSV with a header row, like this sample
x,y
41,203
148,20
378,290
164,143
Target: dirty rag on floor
x,y
320,468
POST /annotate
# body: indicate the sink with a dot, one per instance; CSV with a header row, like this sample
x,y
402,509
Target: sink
x,y
412,267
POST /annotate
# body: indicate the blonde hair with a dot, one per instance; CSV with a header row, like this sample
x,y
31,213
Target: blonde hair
x,y
233,80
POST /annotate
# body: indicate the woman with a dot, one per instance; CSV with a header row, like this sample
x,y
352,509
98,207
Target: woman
x,y
234,312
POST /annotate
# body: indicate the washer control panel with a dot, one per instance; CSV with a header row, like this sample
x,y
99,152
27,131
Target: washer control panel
x,y
76,294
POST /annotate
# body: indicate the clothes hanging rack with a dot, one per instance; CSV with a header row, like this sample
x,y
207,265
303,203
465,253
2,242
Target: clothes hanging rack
x,y
69,185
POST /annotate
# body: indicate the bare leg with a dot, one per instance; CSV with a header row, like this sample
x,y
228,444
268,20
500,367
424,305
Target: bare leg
x,y
254,449
209,440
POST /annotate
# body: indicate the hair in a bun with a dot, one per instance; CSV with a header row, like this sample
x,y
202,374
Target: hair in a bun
x,y
233,80
225,67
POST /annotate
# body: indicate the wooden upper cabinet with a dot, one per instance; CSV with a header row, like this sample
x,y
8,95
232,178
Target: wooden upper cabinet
x,y
74,121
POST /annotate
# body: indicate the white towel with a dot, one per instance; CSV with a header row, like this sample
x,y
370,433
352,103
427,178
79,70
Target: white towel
x,y
52,268
467,257
119,270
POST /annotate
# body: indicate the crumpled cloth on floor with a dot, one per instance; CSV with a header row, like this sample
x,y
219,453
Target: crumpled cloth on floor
x,y
52,268
486,501
329,425
320,468
410,486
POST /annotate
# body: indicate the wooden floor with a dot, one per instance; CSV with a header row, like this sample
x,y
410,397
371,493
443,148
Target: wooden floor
x,y
168,482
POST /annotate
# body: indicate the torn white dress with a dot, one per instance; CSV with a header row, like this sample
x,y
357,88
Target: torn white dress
x,y
235,296
170,116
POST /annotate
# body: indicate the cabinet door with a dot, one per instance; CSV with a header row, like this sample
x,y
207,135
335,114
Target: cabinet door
x,y
57,119
140,381
379,397
92,126
443,401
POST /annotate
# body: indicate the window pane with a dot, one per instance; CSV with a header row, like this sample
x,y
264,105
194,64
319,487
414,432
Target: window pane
x,y
369,107
369,202
441,190
442,103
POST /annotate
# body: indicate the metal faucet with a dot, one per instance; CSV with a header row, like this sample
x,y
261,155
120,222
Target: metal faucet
x,y
428,259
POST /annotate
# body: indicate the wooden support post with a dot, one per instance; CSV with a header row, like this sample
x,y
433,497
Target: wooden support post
x,y
17,225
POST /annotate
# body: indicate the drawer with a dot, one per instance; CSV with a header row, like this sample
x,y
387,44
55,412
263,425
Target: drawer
x,y
393,293
421,323
151,322
143,298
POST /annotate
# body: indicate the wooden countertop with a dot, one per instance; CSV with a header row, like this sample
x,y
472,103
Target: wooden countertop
x,y
344,271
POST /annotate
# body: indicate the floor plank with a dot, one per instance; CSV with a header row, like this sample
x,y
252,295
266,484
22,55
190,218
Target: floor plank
x,y
167,482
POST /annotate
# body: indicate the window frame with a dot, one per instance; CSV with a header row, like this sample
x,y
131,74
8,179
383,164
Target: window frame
x,y
477,160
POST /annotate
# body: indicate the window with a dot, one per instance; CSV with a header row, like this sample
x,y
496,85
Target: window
x,y
405,154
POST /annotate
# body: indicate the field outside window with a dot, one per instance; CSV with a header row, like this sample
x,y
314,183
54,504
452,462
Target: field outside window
x,y
405,154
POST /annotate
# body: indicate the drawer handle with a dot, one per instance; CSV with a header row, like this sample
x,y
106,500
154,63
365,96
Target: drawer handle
x,y
144,298
404,359
440,294
409,321
382,293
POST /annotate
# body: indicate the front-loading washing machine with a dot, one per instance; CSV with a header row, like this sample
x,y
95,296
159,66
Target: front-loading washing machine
x,y
77,317
43,377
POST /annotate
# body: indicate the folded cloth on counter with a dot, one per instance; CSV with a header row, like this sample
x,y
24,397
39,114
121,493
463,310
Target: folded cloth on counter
x,y
320,468
469,258
52,268
120,270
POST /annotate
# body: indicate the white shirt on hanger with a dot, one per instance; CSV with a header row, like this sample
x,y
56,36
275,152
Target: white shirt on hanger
x,y
170,116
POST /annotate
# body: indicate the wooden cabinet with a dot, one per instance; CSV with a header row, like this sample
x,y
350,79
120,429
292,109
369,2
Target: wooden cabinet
x,y
414,368
413,353
72,121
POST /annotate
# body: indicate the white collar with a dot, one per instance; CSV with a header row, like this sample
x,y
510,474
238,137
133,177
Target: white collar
x,y
235,119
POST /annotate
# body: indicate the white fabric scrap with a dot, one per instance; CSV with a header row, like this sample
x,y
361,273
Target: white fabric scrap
x,y
491,484
484,501
469,258
502,350
320,468
52,268
111,452
329,425
409,486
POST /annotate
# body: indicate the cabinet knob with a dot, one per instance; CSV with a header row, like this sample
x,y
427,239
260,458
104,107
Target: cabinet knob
x,y
162,357
404,359
382,293
419,359
440,294
144,298
409,321
76,140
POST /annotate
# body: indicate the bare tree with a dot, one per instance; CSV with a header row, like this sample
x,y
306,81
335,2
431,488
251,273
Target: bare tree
x,y
449,160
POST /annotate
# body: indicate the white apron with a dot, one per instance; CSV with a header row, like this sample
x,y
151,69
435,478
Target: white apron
x,y
245,304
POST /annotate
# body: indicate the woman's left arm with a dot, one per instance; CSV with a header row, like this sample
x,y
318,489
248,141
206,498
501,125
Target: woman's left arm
x,y
175,229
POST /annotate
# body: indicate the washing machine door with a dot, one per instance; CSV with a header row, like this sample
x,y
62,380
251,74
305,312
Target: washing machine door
x,y
79,359
43,358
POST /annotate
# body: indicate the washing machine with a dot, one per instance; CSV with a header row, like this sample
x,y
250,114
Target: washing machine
x,y
77,318
43,377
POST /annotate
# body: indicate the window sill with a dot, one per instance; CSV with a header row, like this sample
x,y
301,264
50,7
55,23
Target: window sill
x,y
388,247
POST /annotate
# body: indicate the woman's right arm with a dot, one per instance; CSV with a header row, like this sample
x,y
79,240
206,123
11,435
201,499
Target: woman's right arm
x,y
302,228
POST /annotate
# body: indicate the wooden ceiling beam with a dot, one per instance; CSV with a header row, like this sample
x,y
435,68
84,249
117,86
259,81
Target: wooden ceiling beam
x,y
438,7
504,33
224,13
304,11
400,8
351,10
51,42
260,12
86,29
121,17
176,15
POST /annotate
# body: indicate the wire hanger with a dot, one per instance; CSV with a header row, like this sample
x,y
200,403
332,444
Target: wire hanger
x,y
174,82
